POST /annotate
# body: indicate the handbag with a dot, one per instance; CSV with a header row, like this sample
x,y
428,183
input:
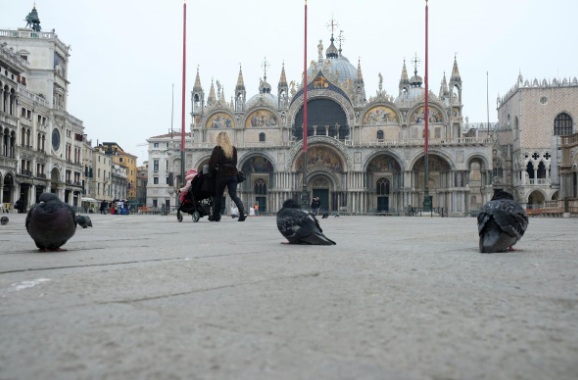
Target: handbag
x,y
241,176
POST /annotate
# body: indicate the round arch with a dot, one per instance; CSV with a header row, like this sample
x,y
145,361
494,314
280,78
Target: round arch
x,y
536,199
321,156
378,154
7,186
325,117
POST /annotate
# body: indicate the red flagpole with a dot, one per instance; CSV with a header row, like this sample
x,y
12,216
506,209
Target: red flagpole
x,y
304,192
305,85
427,204
183,90
426,113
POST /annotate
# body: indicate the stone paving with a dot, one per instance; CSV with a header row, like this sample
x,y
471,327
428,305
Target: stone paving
x,y
146,297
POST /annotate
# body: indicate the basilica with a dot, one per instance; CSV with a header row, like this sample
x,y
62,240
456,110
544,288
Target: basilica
x,y
365,154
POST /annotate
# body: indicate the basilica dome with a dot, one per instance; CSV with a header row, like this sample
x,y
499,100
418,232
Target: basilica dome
x,y
334,67
264,97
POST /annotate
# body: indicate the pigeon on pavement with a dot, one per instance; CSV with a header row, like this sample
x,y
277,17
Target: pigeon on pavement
x,y
4,220
501,223
50,222
83,221
300,226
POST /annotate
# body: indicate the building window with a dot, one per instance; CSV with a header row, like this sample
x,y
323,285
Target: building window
x,y
261,137
155,145
260,187
156,180
156,166
563,125
382,186
380,135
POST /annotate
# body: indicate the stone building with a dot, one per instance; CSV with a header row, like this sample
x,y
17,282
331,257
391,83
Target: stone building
x,y
126,160
365,153
41,141
533,118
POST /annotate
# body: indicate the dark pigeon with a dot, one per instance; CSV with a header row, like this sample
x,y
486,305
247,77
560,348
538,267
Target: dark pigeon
x,y
501,223
300,226
4,220
325,215
50,222
83,221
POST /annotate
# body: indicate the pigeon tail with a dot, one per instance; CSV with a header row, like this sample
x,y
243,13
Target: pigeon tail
x,y
317,239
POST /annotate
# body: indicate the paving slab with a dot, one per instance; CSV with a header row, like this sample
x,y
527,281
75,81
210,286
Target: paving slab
x,y
146,297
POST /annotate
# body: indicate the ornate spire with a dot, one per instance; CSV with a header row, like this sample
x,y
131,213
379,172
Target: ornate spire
x,y
332,51
283,79
444,90
455,71
359,73
222,93
197,86
340,39
265,65
404,77
416,80
212,96
240,82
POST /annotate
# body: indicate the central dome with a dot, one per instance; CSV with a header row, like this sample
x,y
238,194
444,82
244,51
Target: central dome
x,y
334,66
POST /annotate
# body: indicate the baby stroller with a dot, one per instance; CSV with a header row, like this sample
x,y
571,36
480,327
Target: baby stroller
x,y
198,200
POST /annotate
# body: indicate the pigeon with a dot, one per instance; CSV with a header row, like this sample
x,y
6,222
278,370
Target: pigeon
x,y
83,221
300,226
325,215
50,222
501,223
4,220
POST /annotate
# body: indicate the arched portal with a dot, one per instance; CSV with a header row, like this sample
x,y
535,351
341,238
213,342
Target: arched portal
x,y
7,188
254,190
535,199
384,180
439,182
324,118
325,170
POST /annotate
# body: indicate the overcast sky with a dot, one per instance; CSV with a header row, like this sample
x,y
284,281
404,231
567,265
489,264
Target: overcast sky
x,y
127,54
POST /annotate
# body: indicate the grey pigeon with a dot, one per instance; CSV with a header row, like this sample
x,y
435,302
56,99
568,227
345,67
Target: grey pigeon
x,y
300,226
83,221
50,222
501,223
4,220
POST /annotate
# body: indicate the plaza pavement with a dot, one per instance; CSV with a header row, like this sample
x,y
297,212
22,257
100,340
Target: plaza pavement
x,y
146,297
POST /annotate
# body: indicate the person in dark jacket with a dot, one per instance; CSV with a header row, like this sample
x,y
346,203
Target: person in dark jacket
x,y
223,165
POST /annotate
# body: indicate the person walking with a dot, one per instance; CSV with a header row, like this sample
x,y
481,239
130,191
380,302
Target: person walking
x,y
315,204
223,166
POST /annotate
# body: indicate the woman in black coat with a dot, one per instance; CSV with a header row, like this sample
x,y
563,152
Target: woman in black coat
x,y
223,165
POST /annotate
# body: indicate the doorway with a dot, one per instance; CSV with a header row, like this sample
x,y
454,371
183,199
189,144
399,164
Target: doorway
x,y
323,195
382,204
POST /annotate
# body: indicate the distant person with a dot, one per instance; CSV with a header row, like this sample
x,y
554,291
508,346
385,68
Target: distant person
x,y
19,205
315,204
223,165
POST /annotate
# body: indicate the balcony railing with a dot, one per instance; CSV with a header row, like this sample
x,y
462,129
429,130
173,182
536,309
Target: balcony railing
x,y
539,181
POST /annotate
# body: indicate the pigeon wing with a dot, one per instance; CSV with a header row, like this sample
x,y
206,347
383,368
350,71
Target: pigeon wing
x,y
509,215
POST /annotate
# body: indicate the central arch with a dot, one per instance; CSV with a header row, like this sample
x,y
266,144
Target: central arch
x,y
325,117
